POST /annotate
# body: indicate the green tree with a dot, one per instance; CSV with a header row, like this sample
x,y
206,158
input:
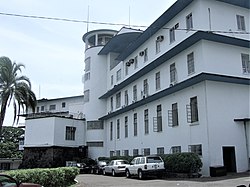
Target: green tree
x,y
9,145
15,89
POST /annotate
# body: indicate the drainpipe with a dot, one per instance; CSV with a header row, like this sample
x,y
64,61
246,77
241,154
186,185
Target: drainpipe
x,y
247,146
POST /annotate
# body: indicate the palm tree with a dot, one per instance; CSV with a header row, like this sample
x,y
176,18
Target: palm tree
x,y
14,89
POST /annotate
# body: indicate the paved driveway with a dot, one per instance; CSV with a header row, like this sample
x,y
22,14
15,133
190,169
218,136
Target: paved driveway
x,y
88,180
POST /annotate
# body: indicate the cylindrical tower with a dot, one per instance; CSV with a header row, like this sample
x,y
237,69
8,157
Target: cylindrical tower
x,y
95,85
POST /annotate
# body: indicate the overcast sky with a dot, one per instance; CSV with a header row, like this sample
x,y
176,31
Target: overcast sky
x,y
53,51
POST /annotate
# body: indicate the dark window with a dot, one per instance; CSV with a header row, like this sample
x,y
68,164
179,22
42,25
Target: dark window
x,y
135,124
189,21
126,126
70,133
146,124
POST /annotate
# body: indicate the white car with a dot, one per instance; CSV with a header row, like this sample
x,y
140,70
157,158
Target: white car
x,y
145,165
115,167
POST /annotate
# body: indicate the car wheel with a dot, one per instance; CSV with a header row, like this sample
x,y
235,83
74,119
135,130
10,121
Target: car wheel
x,y
127,173
140,174
113,173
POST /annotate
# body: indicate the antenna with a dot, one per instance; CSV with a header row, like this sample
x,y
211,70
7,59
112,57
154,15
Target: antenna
x,y
88,20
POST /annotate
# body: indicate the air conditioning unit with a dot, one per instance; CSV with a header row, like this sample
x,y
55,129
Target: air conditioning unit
x,y
128,63
141,53
131,61
160,38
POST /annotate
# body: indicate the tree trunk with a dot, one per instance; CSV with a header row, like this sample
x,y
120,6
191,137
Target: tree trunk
x,y
2,115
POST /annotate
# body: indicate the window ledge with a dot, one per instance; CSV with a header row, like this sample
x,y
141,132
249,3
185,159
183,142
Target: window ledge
x,y
194,123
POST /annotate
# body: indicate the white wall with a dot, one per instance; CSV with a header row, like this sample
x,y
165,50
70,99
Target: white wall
x,y
50,131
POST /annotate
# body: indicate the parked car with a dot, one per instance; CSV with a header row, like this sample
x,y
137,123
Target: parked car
x,y
145,165
98,168
115,167
7,181
86,166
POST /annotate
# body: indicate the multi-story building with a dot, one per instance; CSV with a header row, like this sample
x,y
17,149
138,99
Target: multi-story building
x,y
182,85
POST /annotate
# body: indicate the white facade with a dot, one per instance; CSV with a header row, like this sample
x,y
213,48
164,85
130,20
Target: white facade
x,y
200,64
182,85
52,120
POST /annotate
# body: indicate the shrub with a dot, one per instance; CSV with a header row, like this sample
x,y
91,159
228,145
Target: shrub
x,y
63,176
182,163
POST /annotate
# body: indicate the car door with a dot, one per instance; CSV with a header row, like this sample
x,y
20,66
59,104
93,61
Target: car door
x,y
133,167
108,169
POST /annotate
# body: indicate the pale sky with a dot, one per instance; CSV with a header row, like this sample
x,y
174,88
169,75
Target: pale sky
x,y
53,51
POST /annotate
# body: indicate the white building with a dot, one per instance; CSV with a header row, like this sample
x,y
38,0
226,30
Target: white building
x,y
55,133
182,85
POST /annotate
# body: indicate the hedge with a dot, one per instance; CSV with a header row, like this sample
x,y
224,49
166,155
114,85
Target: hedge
x,y
60,177
182,163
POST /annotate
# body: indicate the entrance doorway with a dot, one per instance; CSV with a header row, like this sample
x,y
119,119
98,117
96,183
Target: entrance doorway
x,y
229,158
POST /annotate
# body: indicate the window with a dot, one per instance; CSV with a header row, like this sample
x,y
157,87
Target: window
x,y
135,152
52,107
125,152
146,55
126,69
63,104
135,93
189,21
70,133
176,149
145,88
195,149
172,73
192,110
118,100
111,104
175,121
126,97
136,62
241,23
91,125
112,153
158,120
157,46
111,130
87,64
126,126
87,76
118,153
94,144
86,96
146,124
118,75
135,124
190,63
172,34
157,81
42,108
37,109
160,150
112,80
245,63
146,152
118,129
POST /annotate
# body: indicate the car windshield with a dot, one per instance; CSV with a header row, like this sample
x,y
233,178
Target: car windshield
x,y
122,162
153,159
